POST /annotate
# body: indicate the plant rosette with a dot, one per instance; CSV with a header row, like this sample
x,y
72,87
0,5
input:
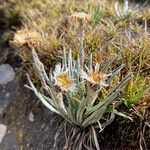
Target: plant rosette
x,y
74,94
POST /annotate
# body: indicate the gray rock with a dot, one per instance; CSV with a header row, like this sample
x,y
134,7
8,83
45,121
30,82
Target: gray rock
x,y
7,74
3,129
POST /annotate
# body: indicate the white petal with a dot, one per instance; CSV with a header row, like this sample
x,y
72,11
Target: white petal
x,y
87,69
57,70
91,63
107,75
84,75
66,70
72,88
104,84
97,67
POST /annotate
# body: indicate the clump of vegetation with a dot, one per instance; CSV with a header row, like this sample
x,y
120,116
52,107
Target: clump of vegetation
x,y
75,95
135,90
120,30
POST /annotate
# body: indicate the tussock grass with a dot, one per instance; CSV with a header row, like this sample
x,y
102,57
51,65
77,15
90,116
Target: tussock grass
x,y
107,35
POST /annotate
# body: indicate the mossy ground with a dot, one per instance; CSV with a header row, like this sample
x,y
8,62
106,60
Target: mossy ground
x,y
128,37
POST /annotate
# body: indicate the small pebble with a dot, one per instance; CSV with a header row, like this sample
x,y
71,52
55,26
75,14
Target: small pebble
x,y
31,117
18,123
16,69
3,129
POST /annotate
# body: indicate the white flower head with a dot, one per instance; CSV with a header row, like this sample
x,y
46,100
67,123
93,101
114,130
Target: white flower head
x,y
95,77
63,80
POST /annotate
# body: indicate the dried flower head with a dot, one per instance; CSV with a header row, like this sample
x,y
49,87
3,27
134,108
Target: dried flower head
x,y
26,37
63,80
95,77
81,17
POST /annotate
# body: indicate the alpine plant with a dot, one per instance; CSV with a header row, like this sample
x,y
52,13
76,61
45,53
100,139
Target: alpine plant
x,y
74,92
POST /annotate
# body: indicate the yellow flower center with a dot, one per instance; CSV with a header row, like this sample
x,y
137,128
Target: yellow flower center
x,y
97,77
64,80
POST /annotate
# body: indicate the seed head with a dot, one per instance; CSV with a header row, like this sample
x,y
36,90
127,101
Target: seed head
x,y
81,17
25,37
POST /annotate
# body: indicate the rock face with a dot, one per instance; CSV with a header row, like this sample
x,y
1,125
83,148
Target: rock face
x,y
30,125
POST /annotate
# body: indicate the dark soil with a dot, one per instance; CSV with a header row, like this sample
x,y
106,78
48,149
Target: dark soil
x,y
123,134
